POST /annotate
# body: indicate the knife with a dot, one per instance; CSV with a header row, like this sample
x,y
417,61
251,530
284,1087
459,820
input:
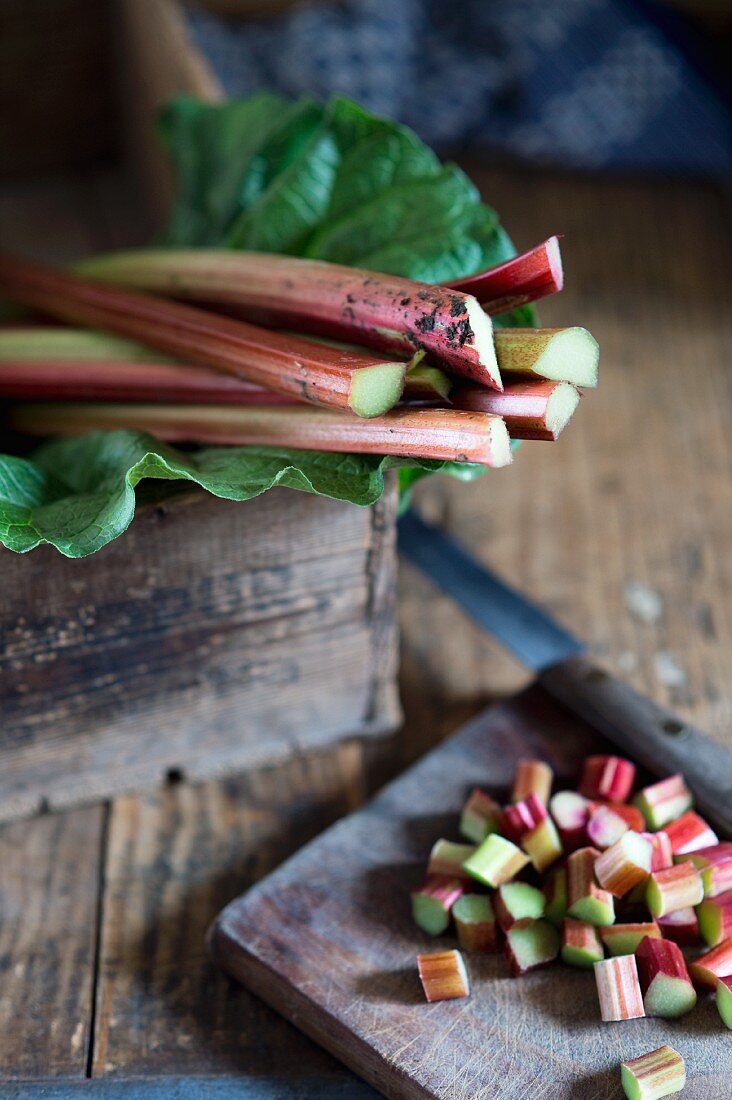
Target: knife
x,y
654,736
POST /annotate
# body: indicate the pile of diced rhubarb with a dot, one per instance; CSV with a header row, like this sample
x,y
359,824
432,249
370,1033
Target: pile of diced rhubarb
x,y
243,348
597,877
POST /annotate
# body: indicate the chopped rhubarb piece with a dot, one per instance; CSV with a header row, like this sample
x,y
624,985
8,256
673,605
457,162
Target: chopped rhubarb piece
x,y
530,946
517,281
532,777
518,820
561,355
555,892
431,904
581,945
570,812
385,312
724,1000
664,979
661,854
542,844
623,939
518,903
624,865
586,900
479,817
607,777
715,964
689,833
715,918
618,988
674,888
532,410
654,1075
495,861
681,926
605,827
715,867
443,976
475,923
664,801
447,858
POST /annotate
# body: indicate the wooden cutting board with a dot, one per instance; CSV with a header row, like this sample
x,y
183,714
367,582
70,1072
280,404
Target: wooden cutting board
x,y
328,941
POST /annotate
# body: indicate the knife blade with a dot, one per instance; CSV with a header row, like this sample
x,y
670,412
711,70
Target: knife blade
x,y
653,735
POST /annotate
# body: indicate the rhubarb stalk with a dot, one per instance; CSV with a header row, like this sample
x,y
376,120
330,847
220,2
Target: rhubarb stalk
x,y
724,1000
517,903
495,861
316,373
529,946
532,410
384,312
532,777
623,939
673,888
715,918
412,433
607,777
715,964
518,281
664,801
681,926
624,865
585,900
715,867
559,354
447,858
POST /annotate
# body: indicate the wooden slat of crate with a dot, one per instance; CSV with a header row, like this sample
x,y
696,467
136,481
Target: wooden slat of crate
x,y
173,858
210,637
49,883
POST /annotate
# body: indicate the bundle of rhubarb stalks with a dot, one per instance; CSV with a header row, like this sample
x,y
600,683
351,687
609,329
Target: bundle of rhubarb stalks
x,y
243,348
601,881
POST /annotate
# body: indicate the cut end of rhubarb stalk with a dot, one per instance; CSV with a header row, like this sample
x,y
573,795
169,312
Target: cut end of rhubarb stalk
x,y
375,390
482,340
715,918
724,1000
715,964
654,1075
518,903
499,451
623,939
560,407
427,383
677,887
443,976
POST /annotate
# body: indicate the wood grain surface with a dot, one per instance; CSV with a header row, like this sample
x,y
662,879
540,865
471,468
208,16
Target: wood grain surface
x,y
636,493
198,643
328,940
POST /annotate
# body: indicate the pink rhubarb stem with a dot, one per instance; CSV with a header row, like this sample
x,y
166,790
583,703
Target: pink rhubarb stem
x,y
414,433
517,282
299,368
532,410
385,312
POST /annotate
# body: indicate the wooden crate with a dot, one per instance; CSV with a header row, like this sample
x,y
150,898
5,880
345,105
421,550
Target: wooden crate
x,y
210,637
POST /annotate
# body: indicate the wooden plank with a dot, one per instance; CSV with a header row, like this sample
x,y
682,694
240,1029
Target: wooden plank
x,y
328,940
48,931
198,642
637,491
191,1088
174,859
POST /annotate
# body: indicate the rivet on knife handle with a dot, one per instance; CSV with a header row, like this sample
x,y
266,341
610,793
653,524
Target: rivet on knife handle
x,y
655,737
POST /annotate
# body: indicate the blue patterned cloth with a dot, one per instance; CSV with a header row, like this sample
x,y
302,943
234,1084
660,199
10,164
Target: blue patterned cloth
x,y
581,83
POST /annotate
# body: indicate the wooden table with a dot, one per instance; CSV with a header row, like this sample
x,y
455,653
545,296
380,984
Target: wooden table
x,y
622,529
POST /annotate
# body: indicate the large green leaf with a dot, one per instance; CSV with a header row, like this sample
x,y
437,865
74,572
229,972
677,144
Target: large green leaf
x,y
333,182
78,494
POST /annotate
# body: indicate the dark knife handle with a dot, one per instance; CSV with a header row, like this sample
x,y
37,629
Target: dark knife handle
x,y
655,737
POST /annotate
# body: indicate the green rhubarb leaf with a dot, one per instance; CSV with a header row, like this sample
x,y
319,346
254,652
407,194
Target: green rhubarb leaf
x,y
333,182
79,494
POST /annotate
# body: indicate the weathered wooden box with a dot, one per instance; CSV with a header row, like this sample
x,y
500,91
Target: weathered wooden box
x,y
211,636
